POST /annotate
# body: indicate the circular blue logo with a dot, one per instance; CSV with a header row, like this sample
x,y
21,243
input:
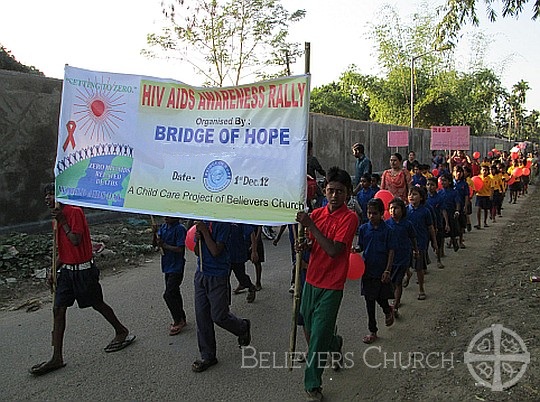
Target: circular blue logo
x,y
217,176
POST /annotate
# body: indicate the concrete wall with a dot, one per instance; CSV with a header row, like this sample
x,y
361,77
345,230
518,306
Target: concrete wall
x,y
333,137
29,111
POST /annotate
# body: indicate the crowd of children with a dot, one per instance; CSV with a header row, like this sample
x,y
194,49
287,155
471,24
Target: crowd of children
x,y
439,207
394,237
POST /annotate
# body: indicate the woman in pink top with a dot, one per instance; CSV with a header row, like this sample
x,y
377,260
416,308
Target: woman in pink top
x,y
397,180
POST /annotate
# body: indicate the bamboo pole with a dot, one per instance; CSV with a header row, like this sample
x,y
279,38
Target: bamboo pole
x,y
296,298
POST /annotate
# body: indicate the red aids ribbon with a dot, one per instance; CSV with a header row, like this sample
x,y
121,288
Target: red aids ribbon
x,y
70,138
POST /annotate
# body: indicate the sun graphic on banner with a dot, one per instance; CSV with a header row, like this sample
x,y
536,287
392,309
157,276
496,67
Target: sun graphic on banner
x,y
99,111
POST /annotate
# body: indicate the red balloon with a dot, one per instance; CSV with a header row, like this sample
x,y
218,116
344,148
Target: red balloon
x,y
529,164
490,154
511,181
190,238
356,266
385,196
514,155
386,215
476,155
478,183
435,172
439,185
517,172
526,171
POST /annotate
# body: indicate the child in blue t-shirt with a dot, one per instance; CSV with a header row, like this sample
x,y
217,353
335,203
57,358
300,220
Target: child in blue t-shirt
x,y
434,201
170,237
418,179
365,194
375,180
376,241
420,216
451,205
462,190
405,246
239,244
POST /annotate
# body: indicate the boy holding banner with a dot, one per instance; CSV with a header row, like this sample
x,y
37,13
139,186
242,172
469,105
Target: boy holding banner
x,y
331,231
77,279
212,293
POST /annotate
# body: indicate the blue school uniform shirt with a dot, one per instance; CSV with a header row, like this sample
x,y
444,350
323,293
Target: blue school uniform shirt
x,y
462,188
363,196
419,180
239,242
435,203
421,219
376,243
215,266
450,200
173,235
403,233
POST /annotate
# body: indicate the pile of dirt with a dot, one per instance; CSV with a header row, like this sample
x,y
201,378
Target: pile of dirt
x,y
24,258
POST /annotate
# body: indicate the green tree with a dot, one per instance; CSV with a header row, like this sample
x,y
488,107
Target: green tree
x,y
457,13
516,102
236,38
531,126
9,62
346,98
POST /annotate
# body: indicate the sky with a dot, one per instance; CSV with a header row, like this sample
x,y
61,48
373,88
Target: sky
x,y
108,35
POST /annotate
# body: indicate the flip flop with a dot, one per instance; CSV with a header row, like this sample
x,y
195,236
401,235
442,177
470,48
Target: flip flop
x,y
115,346
421,296
369,338
44,368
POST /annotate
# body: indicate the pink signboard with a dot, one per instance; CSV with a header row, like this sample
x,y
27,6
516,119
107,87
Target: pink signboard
x,y
398,138
450,137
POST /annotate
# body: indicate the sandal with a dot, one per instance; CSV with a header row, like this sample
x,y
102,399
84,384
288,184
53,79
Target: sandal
x,y
369,338
45,367
421,296
239,289
389,317
199,366
177,328
115,346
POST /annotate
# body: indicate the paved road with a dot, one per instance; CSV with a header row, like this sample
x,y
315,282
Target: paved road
x,y
157,366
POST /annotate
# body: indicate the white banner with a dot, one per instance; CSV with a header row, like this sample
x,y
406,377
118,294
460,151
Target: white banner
x,y
150,145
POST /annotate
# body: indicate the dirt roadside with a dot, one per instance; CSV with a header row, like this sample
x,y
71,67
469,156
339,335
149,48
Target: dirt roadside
x,y
23,258
481,288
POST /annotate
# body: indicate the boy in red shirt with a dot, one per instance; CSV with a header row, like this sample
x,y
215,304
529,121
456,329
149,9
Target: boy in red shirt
x,y
331,231
78,279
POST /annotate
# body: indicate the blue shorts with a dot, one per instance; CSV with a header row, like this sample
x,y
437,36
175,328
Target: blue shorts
x,y
398,273
483,202
81,285
420,263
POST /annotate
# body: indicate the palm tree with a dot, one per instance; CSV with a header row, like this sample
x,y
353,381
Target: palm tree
x,y
519,92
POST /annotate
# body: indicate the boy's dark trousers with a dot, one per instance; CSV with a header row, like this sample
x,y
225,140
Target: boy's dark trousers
x,y
370,307
173,297
239,269
212,294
